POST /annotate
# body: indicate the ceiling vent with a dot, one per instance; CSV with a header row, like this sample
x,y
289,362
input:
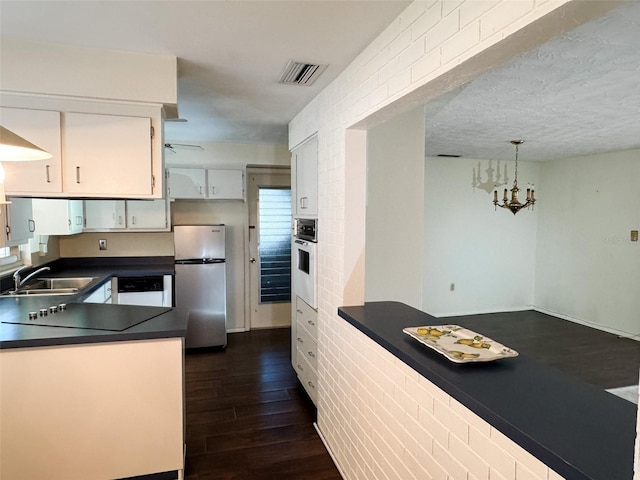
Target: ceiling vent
x,y
300,73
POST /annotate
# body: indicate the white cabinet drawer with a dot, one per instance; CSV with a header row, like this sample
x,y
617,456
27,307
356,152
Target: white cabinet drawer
x,y
307,376
308,346
307,316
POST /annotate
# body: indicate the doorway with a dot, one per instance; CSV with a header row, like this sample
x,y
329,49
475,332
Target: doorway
x,y
269,197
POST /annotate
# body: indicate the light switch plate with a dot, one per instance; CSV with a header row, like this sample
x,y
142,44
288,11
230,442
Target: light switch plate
x,y
102,244
634,235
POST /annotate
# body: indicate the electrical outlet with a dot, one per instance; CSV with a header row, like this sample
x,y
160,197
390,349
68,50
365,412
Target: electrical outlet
x,y
634,235
102,244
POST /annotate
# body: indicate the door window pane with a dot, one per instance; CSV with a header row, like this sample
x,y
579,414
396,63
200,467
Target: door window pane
x,y
274,244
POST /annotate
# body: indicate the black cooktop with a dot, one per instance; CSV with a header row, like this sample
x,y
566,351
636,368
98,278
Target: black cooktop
x,y
95,316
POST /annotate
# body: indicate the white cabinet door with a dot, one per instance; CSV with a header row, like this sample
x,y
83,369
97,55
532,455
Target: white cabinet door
x,y
147,214
41,128
225,184
186,183
20,225
106,155
305,158
104,214
57,216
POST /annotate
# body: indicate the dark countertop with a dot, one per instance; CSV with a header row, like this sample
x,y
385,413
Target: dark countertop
x,y
154,322
577,429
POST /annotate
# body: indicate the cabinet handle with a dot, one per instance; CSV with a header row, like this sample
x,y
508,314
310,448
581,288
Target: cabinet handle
x,y
300,340
213,190
77,174
299,311
48,168
300,367
120,219
78,220
32,226
200,189
311,354
311,385
310,323
303,202
133,219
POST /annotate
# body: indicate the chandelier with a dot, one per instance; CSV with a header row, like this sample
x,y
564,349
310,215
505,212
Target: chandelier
x,y
514,204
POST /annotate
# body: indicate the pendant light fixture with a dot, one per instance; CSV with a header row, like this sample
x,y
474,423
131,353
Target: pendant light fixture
x,y
514,204
14,148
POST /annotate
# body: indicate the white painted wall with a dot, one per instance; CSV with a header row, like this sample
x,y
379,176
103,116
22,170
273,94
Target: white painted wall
x,y
489,255
214,153
395,210
587,268
31,67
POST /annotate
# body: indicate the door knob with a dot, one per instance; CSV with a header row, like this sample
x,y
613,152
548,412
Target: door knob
x,y
252,260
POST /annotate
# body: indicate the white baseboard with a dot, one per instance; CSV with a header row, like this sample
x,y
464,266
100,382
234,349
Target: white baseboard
x,y
326,445
481,312
620,333
236,330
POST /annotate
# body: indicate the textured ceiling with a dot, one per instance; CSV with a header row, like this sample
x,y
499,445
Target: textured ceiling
x,y
577,94
230,53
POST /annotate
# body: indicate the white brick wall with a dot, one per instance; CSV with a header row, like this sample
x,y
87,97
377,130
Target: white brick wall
x,y
380,418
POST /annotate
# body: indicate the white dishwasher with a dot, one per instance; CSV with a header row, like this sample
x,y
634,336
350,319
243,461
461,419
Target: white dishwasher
x,y
154,290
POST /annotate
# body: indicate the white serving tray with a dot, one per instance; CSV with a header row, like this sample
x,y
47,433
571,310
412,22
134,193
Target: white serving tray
x,y
459,344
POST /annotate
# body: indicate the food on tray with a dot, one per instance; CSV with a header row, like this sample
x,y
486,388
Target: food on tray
x,y
472,342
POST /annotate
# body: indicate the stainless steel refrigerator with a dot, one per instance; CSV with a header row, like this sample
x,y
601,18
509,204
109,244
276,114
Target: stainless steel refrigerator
x,y
200,283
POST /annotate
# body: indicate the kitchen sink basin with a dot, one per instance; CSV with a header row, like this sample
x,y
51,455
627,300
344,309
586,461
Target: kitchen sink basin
x,y
51,286
40,291
58,283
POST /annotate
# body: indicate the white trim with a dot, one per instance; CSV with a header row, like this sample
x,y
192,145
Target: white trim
x,y
482,312
632,336
237,330
326,445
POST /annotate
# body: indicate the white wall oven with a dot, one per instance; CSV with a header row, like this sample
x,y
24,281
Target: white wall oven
x,y
305,260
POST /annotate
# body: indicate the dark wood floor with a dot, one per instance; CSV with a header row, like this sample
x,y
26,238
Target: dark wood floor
x,y
246,415
248,418
600,358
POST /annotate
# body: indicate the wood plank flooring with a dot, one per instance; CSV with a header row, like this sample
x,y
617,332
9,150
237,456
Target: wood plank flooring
x,y
246,415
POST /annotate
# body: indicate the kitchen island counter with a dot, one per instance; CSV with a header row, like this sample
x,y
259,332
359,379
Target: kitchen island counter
x,y
578,430
149,322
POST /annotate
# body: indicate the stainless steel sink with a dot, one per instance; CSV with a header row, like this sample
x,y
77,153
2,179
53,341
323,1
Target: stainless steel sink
x,y
51,286
40,291
58,283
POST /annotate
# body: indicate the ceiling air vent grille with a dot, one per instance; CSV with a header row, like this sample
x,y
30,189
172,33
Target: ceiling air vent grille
x,y
300,73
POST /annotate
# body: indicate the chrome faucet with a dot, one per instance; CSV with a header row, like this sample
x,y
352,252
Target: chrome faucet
x,y
18,281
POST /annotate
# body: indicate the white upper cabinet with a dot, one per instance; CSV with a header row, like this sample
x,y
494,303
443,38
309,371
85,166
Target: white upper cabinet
x,y
126,215
42,128
19,223
93,154
107,155
186,183
220,183
147,215
225,183
104,214
304,160
58,216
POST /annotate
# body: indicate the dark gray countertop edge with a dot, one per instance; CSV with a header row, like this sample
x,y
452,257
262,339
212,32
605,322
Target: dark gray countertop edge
x,y
589,465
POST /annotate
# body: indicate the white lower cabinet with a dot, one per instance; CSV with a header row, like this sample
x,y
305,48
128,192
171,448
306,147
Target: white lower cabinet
x,y
100,295
305,347
58,216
